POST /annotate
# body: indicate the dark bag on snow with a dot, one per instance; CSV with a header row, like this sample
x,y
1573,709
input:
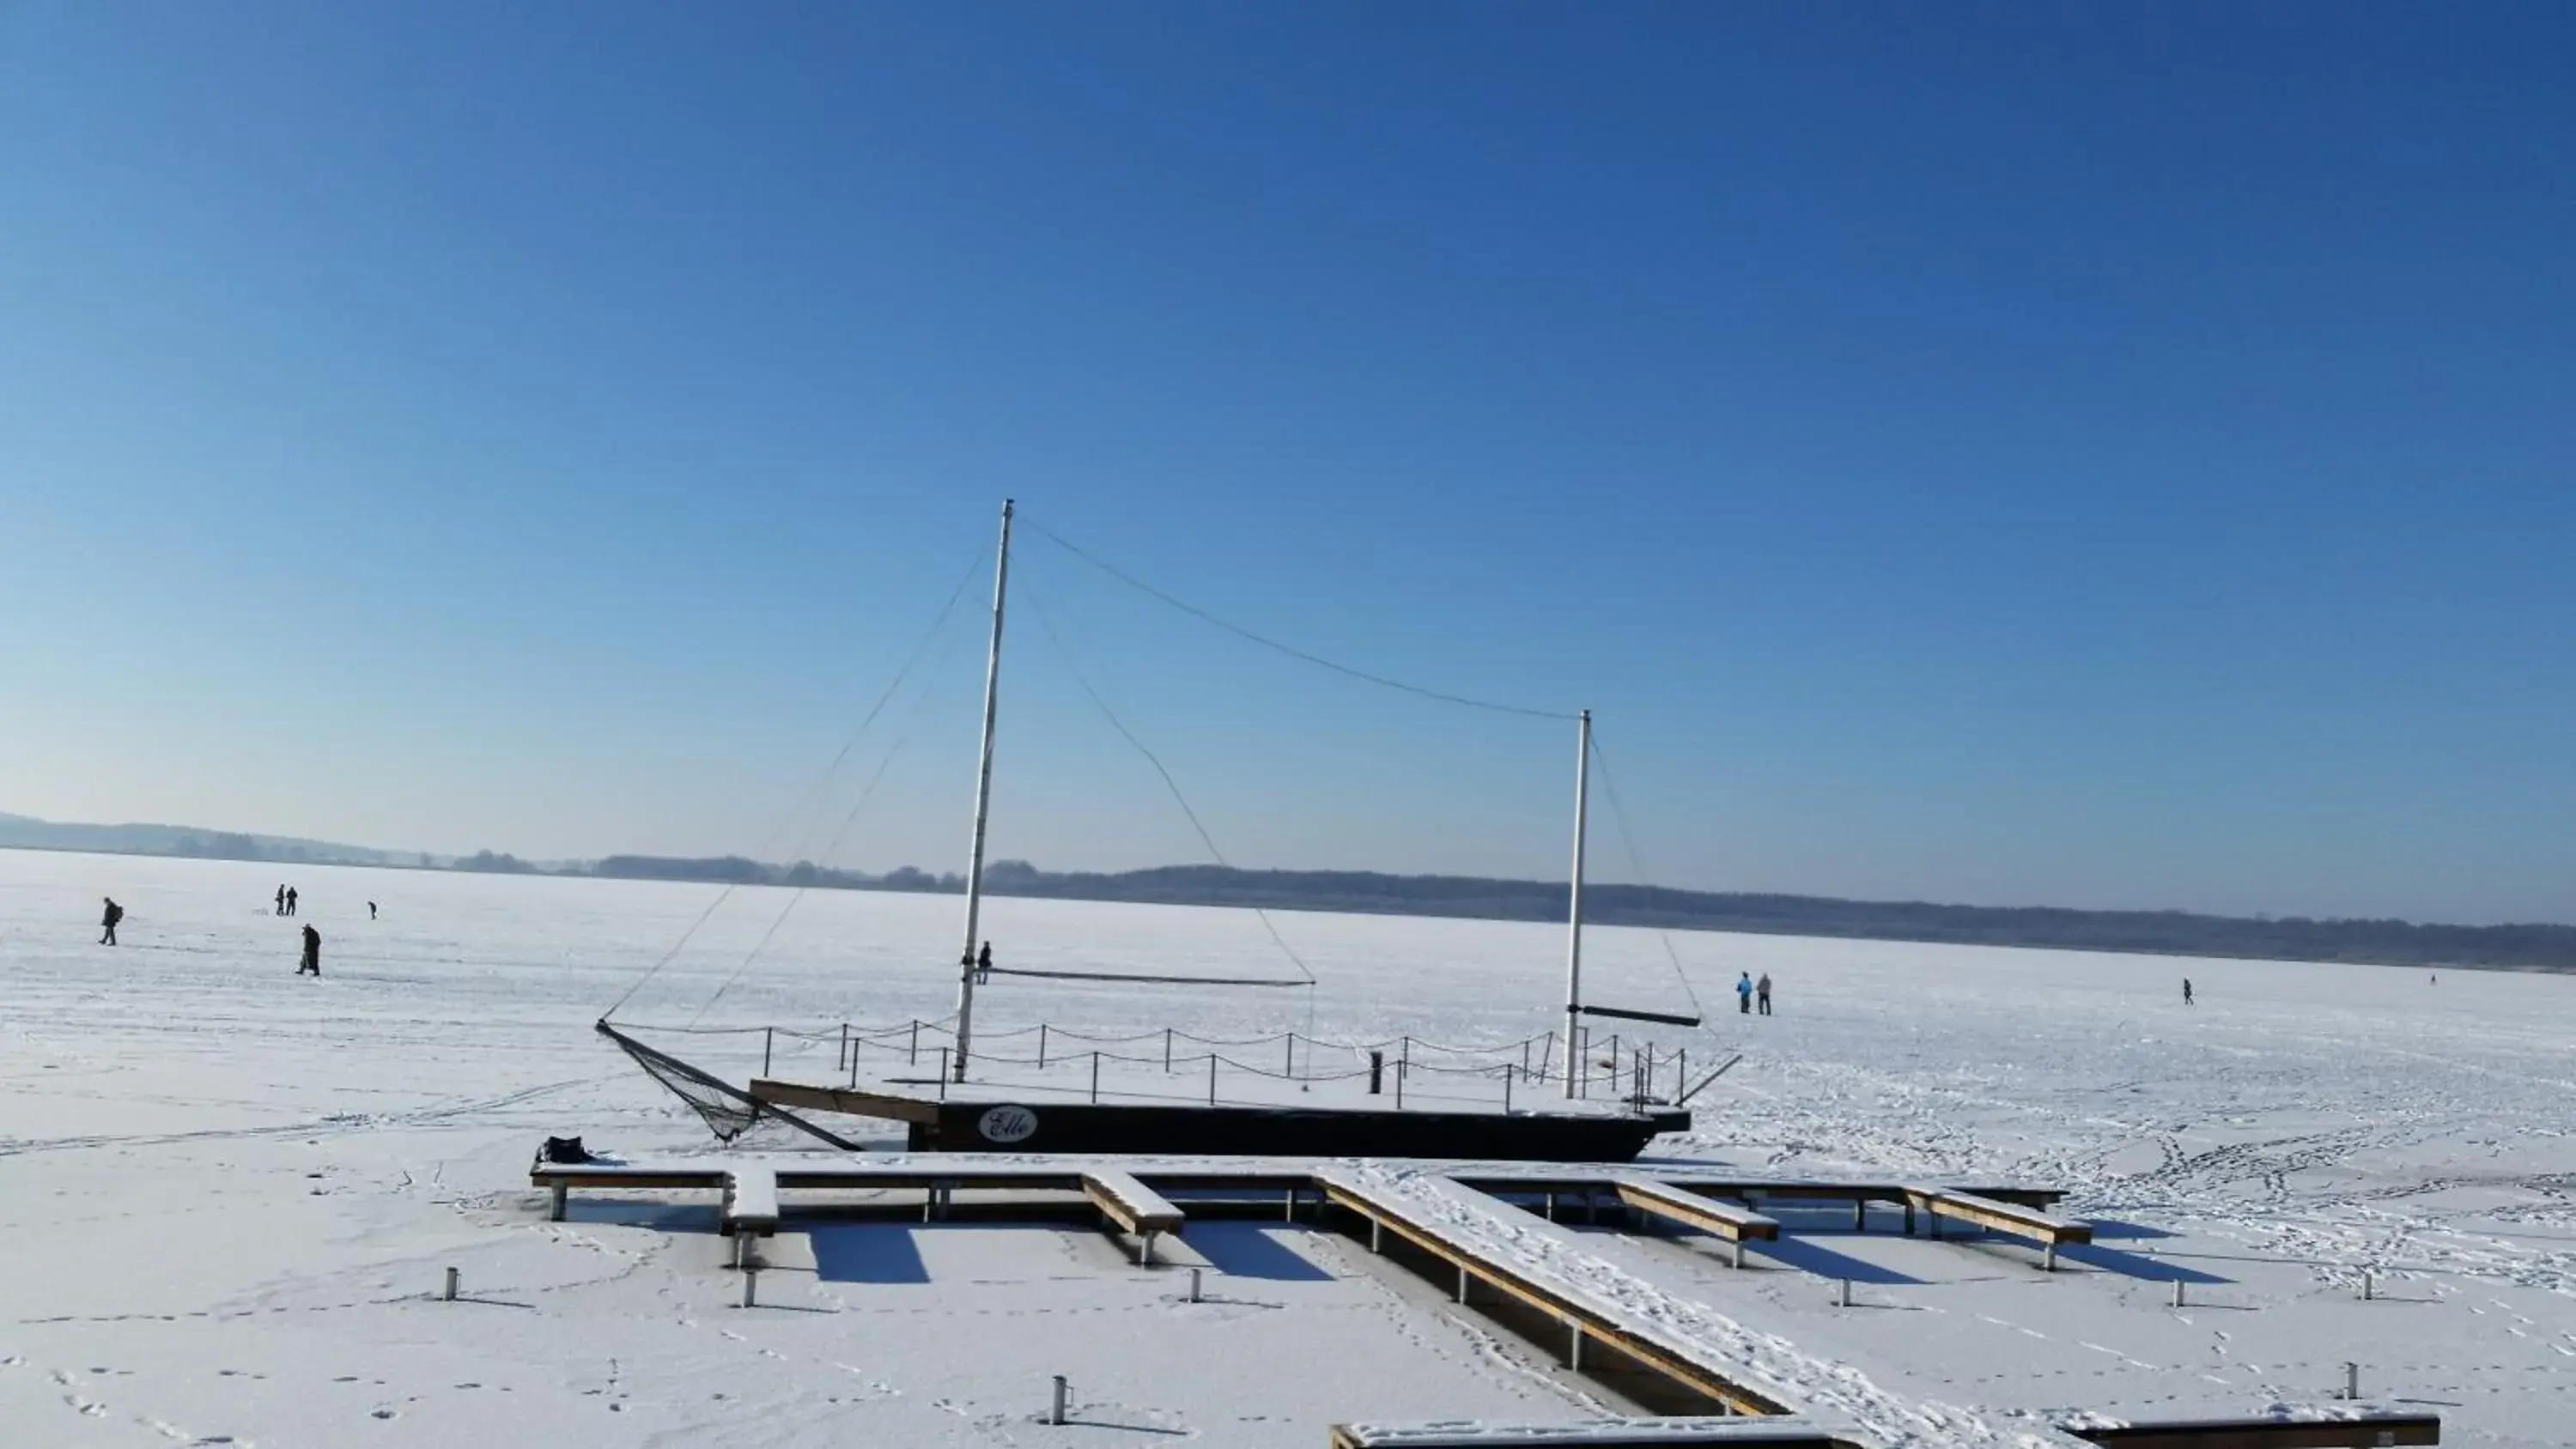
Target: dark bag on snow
x,y
562,1149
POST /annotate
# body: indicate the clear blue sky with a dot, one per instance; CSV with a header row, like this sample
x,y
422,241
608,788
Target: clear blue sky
x,y
2072,454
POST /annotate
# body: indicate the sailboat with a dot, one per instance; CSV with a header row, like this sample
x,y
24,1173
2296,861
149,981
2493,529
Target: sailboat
x,y
970,1115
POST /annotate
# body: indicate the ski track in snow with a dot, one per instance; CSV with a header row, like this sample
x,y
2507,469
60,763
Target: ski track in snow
x,y
232,1192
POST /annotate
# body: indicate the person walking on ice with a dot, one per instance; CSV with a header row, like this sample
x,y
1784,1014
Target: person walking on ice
x,y
1744,993
984,964
281,900
113,914
311,965
2186,991
1762,993
290,900
371,910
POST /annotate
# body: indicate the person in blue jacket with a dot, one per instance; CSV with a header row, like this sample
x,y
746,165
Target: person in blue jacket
x,y
1744,993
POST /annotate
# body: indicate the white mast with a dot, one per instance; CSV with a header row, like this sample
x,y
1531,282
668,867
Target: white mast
x,y
983,800
1574,903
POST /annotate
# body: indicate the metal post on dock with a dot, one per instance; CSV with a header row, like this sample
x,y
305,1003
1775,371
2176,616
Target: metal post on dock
x,y
449,1294
1292,1056
843,1059
912,1051
1095,1074
1211,1079
2351,1382
1399,1085
1377,1071
1842,1293
1681,1074
943,1074
2367,1287
1194,1285
1574,1344
1055,1415
768,1039
1507,1091
2177,1293
854,1067
1042,1046
750,1286
1167,1050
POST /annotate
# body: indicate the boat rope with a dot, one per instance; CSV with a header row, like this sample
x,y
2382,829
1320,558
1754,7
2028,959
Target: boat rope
x,y
1046,626
1266,642
821,783
929,689
1150,980
1637,863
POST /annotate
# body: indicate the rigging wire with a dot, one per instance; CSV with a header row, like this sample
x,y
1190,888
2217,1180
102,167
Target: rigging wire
x,y
1637,863
821,782
1046,625
929,688
1265,641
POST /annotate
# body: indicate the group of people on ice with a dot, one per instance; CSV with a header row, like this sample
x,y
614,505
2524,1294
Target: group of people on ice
x,y
1749,992
308,962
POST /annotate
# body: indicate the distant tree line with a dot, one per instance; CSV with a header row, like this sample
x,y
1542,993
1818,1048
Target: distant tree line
x,y
2170,933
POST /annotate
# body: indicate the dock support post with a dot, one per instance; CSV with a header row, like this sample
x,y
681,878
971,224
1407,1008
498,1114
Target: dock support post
x,y
943,1073
1292,1056
1842,1293
1042,1046
1574,1344
2367,1286
2351,1382
844,1057
1289,1214
1167,1051
1095,1076
1377,1071
448,1294
2048,1257
1211,1079
1376,1243
750,1287
1055,1414
1145,1251
1739,1252
768,1039
1462,1282
912,1051
2177,1293
1194,1285
1507,1091
555,1211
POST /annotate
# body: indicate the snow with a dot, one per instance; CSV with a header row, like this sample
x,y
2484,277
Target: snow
x,y
229,1194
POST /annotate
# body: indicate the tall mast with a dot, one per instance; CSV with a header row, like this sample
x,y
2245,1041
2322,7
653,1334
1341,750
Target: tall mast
x,y
983,802
1574,902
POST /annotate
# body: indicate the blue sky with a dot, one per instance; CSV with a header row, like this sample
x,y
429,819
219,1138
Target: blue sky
x,y
2067,454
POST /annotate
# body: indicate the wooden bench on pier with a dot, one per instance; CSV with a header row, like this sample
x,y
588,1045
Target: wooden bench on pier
x,y
1672,1204
1132,1207
1995,1215
750,1209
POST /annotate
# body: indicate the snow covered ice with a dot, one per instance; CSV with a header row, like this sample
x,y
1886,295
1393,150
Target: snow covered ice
x,y
230,1195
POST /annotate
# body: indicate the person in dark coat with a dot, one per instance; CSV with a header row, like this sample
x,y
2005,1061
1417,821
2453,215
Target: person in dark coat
x,y
371,910
984,963
1762,994
311,965
290,900
113,914
2186,991
281,900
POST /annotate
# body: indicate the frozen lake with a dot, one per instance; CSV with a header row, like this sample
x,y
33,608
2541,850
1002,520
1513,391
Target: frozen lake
x,y
226,1188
